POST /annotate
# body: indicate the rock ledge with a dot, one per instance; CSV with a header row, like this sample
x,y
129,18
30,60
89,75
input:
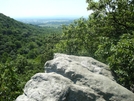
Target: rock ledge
x,y
74,78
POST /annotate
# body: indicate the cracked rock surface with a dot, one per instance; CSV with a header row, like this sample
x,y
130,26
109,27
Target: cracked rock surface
x,y
74,78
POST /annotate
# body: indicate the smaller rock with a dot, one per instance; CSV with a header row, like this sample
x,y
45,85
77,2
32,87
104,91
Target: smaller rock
x,y
45,87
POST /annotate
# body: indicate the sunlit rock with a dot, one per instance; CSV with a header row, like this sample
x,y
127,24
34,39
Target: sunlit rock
x,y
74,78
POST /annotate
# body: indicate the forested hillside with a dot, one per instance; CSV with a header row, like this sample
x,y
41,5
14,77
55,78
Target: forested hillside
x,y
23,51
107,35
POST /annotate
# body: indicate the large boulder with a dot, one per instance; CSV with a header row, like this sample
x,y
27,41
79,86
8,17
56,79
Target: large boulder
x,y
74,78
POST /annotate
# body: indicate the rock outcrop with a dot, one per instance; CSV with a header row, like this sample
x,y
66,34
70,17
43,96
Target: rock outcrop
x,y
74,78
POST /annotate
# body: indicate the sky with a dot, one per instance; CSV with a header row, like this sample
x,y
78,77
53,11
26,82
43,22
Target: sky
x,y
44,8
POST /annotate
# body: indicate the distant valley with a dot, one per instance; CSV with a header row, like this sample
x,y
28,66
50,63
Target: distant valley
x,y
47,22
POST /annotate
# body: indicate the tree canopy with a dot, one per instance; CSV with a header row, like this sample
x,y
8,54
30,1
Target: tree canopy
x,y
106,35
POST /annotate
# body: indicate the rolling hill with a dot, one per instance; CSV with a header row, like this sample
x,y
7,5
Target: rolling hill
x,y
24,49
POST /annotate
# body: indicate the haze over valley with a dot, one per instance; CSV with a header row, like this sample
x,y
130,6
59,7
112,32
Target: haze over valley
x,y
48,21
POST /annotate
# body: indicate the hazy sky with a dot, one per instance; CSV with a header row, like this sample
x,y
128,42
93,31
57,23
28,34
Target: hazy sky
x,y
32,8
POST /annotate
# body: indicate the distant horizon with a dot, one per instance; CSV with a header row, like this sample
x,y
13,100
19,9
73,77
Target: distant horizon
x,y
51,17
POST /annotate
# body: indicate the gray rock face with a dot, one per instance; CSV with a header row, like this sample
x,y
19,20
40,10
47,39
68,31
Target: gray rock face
x,y
73,78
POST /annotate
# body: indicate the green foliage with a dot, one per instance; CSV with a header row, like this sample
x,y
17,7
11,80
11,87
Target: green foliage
x,y
9,89
116,17
115,28
103,51
23,51
122,60
106,35
76,38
